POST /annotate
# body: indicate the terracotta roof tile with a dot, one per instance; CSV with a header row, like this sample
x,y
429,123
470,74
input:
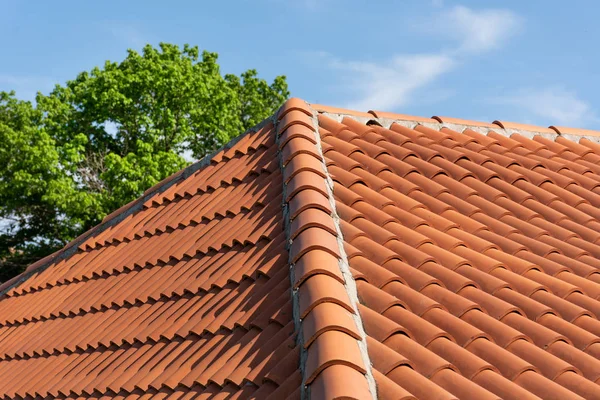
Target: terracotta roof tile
x,y
320,254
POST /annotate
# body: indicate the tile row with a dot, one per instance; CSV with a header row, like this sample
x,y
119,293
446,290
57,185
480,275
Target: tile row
x,y
261,221
244,304
236,357
152,283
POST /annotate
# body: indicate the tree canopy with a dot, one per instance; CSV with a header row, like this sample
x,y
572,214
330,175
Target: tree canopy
x,y
99,141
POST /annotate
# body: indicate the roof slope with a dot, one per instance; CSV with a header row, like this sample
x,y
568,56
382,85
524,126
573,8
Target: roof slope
x,y
475,253
188,295
331,254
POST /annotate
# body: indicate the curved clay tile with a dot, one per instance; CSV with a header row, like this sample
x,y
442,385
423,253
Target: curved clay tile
x,y
418,385
460,386
426,361
327,317
454,303
293,104
389,389
376,275
297,146
316,262
305,180
294,117
461,332
543,387
296,131
591,144
385,359
587,364
307,199
431,134
340,381
328,124
312,218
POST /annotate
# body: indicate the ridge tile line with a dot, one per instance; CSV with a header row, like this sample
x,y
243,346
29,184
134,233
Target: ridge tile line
x,y
313,232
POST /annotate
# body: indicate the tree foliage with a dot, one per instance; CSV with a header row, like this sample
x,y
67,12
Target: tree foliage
x,y
100,140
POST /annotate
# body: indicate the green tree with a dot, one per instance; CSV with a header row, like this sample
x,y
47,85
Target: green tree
x,y
100,140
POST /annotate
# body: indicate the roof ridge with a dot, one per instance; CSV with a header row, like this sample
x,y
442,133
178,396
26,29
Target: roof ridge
x,y
334,361
512,127
506,129
123,212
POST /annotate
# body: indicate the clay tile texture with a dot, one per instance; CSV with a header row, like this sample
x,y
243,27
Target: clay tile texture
x,y
331,254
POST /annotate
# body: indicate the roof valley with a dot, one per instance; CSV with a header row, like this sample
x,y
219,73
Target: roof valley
x,y
321,364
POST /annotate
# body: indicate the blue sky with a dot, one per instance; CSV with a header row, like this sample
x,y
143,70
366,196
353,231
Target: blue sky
x,y
525,61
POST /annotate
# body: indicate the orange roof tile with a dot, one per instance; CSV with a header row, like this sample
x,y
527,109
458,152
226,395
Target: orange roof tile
x,y
333,259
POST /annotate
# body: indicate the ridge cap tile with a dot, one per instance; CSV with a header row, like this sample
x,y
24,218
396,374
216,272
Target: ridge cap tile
x,y
328,341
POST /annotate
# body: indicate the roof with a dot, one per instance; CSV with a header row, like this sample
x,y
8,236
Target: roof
x,y
326,254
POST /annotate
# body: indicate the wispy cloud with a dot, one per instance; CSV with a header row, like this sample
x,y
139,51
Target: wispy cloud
x,y
478,31
395,82
553,105
390,84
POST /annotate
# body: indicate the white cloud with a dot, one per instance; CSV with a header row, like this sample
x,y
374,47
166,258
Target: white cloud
x,y
395,82
555,105
478,30
386,86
